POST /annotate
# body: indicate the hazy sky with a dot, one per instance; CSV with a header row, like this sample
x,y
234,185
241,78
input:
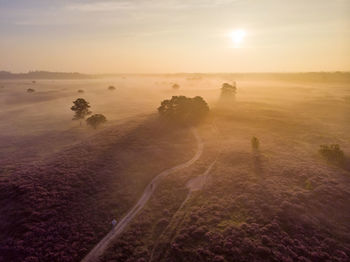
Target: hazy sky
x,y
149,36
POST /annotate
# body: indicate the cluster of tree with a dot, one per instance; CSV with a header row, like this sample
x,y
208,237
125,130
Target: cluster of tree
x,y
81,110
43,75
228,90
184,110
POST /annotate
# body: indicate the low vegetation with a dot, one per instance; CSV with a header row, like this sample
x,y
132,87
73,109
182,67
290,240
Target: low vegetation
x,y
255,143
228,90
176,86
279,205
332,153
96,120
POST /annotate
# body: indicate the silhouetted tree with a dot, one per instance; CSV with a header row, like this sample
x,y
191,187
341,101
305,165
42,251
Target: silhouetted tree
x,y
255,143
176,86
183,109
111,88
30,90
96,120
81,109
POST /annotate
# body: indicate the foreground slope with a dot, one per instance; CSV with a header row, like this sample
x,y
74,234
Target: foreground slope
x,y
59,209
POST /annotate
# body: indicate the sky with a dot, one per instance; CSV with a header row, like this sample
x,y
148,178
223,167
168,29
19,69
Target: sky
x,y
171,36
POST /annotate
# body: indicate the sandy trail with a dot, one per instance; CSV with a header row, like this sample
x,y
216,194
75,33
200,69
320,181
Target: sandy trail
x,y
194,184
99,249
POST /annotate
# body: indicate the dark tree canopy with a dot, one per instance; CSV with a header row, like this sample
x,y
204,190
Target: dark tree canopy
x,y
184,110
111,88
30,90
96,120
228,90
80,108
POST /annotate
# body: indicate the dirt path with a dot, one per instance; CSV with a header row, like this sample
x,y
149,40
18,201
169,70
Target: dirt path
x,y
194,184
99,249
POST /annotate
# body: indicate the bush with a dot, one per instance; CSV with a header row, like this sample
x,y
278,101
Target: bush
x,y
228,90
30,90
255,143
184,110
332,153
176,86
96,120
111,88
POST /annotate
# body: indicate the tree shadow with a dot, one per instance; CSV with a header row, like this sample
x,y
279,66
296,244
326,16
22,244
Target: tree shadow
x,y
345,164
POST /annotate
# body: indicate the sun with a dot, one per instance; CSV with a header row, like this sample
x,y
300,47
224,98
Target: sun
x,y
237,36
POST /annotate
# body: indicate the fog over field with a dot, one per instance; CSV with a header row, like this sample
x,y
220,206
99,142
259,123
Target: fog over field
x,y
174,131
63,183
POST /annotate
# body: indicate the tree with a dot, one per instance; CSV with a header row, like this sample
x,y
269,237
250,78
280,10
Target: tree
x,y
255,143
184,110
111,88
228,90
80,91
81,109
30,90
96,120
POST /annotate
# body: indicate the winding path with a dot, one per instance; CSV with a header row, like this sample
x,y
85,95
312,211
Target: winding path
x,y
99,249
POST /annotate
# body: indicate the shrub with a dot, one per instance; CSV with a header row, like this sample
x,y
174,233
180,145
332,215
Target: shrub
x,y
184,110
228,90
332,153
255,143
30,90
111,88
176,86
96,120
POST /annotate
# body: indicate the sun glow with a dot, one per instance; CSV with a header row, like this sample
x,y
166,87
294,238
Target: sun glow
x,y
237,36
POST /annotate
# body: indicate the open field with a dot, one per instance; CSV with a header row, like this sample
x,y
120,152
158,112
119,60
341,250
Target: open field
x,y
61,184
